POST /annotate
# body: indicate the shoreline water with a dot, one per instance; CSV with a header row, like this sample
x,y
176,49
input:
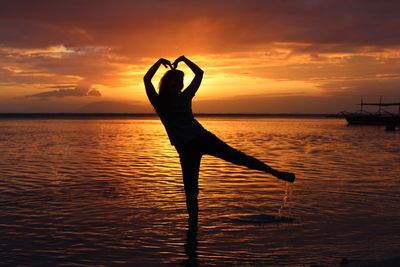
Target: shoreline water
x,y
114,189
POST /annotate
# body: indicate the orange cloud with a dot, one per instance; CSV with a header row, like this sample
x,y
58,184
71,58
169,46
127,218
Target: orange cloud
x,y
245,47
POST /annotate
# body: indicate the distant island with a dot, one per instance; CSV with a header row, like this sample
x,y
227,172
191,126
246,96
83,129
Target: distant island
x,y
113,109
76,115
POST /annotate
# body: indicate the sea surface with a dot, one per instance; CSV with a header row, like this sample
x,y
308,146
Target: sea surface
x,y
108,192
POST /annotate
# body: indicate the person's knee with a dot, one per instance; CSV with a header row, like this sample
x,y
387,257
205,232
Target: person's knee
x,y
192,204
191,184
192,194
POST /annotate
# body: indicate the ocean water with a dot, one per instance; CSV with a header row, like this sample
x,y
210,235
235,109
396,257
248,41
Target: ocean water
x,y
108,192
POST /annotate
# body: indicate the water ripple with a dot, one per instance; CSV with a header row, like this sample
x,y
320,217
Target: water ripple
x,y
109,192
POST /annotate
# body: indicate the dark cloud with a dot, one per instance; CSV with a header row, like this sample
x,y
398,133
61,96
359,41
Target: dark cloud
x,y
139,28
78,91
48,42
94,92
102,34
372,88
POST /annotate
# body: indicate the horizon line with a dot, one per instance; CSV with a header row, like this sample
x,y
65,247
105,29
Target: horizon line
x,y
139,114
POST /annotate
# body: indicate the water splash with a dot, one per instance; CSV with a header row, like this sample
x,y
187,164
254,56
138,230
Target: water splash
x,y
283,216
285,208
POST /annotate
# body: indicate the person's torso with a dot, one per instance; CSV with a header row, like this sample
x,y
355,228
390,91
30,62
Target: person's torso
x,y
178,120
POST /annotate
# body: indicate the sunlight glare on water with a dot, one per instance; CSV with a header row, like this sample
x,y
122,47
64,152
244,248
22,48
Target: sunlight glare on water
x,y
104,192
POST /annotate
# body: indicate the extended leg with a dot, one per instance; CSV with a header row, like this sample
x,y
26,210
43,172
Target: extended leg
x,y
216,147
190,163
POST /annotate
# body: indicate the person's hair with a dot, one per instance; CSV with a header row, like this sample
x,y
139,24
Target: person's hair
x,y
165,90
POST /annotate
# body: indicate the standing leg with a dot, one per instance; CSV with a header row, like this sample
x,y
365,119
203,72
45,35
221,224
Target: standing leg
x,y
190,163
217,148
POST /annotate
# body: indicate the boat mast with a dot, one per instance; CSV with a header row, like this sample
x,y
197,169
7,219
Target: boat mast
x,y
380,104
361,104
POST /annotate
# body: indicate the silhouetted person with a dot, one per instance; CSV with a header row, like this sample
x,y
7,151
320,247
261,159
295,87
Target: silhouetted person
x,y
174,107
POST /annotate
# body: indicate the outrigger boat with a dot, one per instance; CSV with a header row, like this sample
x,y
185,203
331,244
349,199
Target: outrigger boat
x,y
380,117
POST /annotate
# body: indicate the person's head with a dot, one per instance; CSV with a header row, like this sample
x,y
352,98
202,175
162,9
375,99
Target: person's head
x,y
171,83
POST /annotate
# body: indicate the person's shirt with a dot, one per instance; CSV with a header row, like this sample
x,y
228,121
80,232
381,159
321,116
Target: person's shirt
x,y
177,116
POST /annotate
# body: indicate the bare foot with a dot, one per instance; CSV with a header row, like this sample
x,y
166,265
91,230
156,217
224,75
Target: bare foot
x,y
286,176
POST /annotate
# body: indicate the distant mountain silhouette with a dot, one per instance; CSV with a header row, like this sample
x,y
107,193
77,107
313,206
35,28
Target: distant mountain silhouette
x,y
110,107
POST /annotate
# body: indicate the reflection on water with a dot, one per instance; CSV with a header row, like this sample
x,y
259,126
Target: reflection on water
x,y
109,192
263,219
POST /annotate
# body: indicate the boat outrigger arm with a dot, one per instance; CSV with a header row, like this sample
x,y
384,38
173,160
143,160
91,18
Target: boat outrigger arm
x,y
378,118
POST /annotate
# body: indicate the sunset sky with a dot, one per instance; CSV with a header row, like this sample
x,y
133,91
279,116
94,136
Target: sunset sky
x,y
258,56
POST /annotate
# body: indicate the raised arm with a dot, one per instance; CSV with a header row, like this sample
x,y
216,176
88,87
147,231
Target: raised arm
x,y
150,90
198,75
